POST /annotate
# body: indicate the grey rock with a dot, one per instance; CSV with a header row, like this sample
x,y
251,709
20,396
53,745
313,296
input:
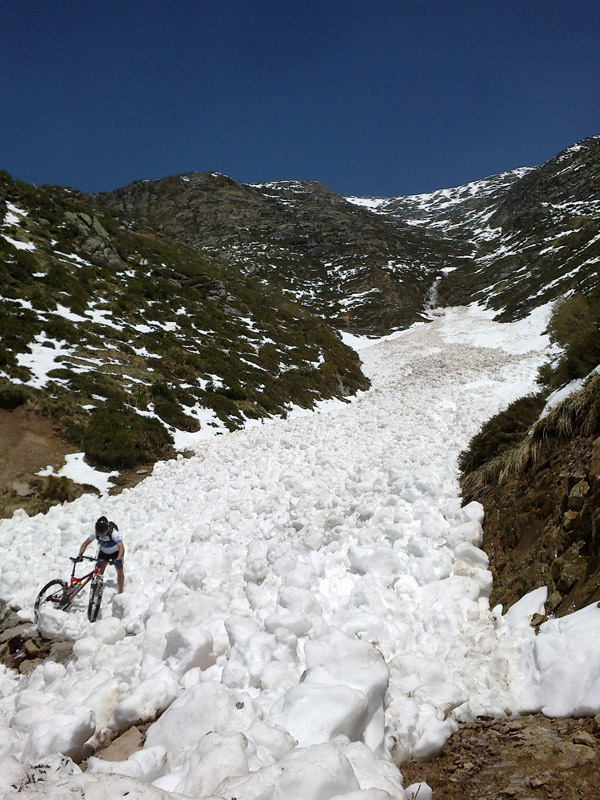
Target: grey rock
x,y
97,226
577,495
102,253
12,633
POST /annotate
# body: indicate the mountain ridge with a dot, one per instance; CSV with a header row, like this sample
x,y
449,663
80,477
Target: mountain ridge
x,y
367,269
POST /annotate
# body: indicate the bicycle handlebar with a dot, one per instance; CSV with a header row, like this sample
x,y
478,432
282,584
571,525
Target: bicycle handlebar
x,y
82,558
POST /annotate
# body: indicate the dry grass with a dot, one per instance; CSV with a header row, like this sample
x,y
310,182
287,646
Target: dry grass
x,y
577,415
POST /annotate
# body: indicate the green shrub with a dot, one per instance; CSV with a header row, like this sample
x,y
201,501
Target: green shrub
x,y
501,432
570,317
26,260
116,437
234,392
575,326
171,413
11,395
162,389
59,490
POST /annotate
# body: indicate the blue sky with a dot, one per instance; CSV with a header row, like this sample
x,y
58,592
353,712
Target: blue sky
x,y
381,98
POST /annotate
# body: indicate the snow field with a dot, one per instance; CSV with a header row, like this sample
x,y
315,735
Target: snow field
x,y
306,602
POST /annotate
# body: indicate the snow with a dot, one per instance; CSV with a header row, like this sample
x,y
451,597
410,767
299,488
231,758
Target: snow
x,y
567,660
477,328
13,215
306,602
557,396
103,317
17,244
210,425
78,471
372,203
43,357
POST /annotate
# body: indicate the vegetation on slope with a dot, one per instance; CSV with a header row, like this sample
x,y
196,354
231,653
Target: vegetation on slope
x,y
509,441
124,337
575,328
539,477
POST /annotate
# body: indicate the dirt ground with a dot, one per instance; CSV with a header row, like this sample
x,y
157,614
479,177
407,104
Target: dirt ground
x,y
522,758
29,443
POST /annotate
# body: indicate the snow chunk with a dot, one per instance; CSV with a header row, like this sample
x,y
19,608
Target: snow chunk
x,y
197,711
315,773
419,791
149,698
215,758
343,692
187,648
567,657
60,733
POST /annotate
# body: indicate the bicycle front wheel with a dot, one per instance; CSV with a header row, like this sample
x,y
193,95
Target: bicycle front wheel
x,y
95,599
55,593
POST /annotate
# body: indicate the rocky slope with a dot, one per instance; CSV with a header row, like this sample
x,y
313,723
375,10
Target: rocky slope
x,y
511,241
542,527
357,270
540,486
534,232
518,759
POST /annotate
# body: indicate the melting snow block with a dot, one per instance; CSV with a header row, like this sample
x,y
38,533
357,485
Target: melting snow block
x,y
317,714
188,648
215,758
349,678
10,742
314,773
152,696
60,733
473,512
419,791
144,765
568,662
197,711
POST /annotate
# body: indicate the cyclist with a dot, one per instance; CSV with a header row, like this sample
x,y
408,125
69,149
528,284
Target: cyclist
x,y
111,548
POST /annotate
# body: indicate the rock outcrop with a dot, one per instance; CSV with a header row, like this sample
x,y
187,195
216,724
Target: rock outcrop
x,y
542,527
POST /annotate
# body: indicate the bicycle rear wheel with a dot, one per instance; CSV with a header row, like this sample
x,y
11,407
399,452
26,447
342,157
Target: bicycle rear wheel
x,y
95,599
55,593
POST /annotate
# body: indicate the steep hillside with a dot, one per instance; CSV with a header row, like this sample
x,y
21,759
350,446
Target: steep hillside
x,y
511,241
461,212
534,232
542,526
358,271
184,306
536,469
129,342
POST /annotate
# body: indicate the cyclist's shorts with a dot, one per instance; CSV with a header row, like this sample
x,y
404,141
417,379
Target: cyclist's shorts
x,y
110,557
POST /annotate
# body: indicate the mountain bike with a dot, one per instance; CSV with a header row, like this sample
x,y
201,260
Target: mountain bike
x,y
60,594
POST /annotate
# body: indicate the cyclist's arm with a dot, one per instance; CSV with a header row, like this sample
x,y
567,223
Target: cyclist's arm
x,y
84,546
121,550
